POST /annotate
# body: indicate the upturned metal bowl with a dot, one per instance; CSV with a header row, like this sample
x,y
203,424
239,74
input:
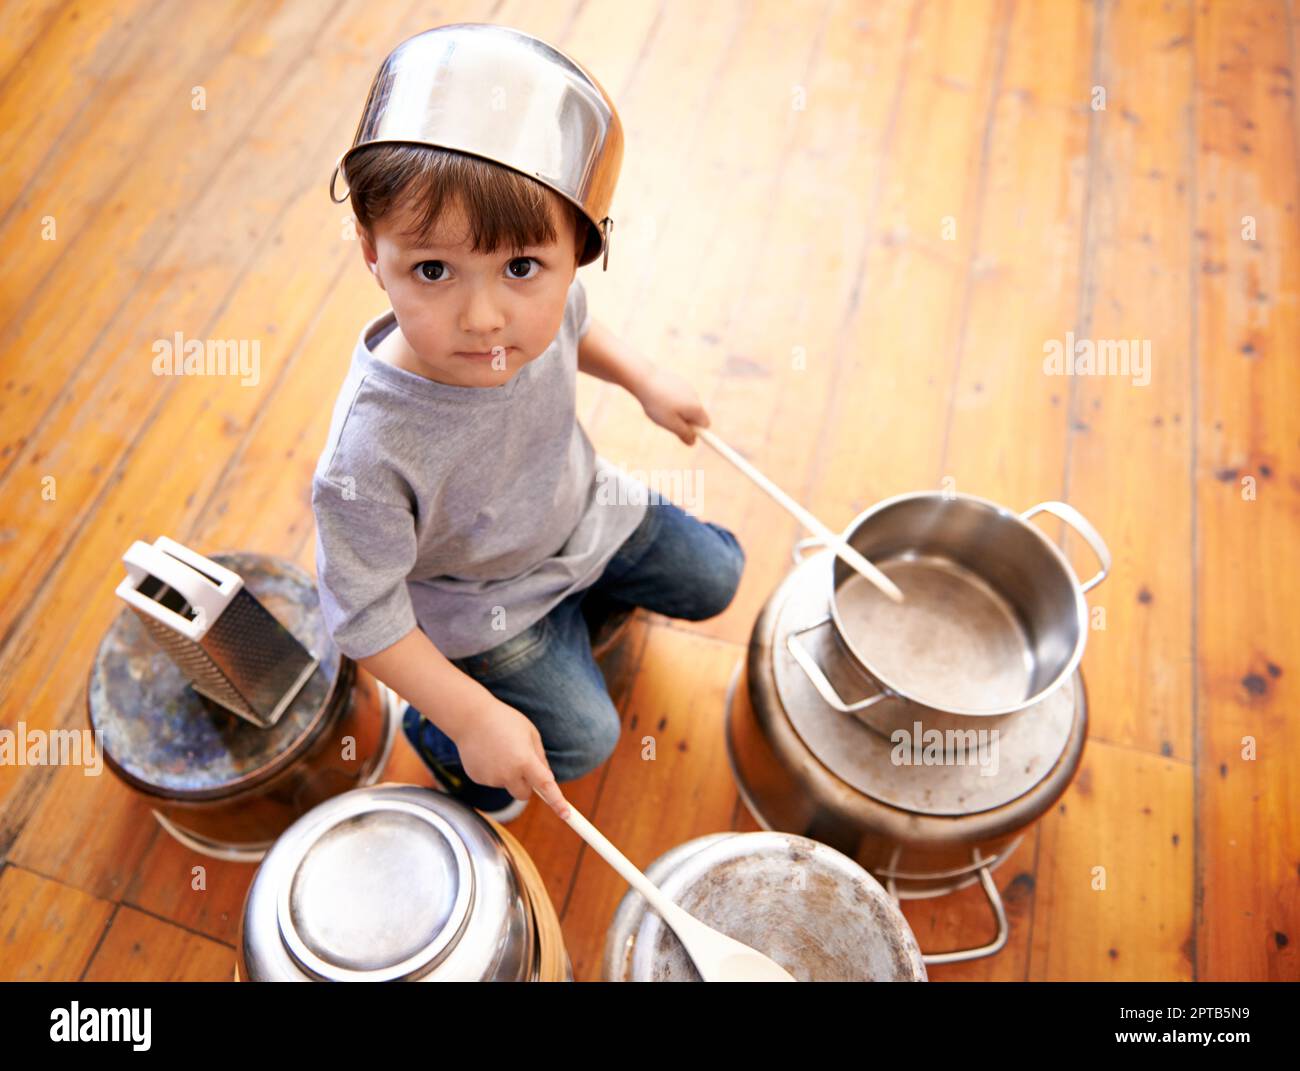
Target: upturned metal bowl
x,y
389,883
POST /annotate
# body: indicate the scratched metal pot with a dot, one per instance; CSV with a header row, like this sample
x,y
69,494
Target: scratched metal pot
x,y
398,883
219,784
807,906
922,829
993,619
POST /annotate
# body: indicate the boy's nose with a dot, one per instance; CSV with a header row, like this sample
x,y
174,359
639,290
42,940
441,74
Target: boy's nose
x,y
480,318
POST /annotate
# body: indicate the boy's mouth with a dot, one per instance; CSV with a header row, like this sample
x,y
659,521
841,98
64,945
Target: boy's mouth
x,y
484,356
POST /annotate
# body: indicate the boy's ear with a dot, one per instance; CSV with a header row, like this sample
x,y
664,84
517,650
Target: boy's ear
x,y
370,254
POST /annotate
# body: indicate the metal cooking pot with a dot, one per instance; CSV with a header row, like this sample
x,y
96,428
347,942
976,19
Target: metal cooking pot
x,y
922,830
398,883
811,908
506,96
219,784
993,620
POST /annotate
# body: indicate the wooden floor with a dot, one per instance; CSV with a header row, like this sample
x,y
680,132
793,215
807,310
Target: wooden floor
x,y
853,226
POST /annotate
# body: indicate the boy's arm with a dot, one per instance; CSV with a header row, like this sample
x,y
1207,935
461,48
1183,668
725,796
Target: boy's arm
x,y
416,670
668,399
422,675
365,549
602,354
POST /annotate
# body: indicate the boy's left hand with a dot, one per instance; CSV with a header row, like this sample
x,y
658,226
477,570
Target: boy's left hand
x,y
671,402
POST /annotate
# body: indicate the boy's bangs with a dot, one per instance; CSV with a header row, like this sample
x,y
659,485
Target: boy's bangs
x,y
504,209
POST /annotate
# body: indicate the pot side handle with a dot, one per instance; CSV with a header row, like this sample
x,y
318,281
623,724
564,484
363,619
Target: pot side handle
x,y
1083,526
819,679
797,551
963,955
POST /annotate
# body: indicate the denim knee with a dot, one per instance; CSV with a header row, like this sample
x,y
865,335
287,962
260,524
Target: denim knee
x,y
582,756
715,588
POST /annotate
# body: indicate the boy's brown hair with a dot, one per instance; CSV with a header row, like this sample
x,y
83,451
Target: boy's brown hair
x,y
505,209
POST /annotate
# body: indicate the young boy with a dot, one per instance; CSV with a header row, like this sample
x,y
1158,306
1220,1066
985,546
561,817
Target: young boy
x,y
470,542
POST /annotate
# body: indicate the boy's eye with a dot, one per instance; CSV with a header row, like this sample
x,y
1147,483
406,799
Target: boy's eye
x,y
522,263
434,271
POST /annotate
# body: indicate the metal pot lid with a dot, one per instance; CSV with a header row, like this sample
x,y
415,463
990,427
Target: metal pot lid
x,y
1028,745
377,895
812,909
163,738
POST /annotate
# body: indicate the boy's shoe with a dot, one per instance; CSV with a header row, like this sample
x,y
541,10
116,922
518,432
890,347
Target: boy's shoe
x,y
450,776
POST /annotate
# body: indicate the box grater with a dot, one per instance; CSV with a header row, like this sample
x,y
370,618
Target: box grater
x,y
226,642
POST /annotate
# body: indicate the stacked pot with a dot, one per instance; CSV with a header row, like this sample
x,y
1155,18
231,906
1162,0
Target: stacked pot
x,y
920,740
217,782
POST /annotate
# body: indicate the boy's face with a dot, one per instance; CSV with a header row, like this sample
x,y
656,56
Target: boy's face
x,y
469,319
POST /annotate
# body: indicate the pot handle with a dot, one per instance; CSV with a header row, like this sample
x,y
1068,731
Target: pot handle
x,y
1080,524
335,177
819,679
797,550
961,955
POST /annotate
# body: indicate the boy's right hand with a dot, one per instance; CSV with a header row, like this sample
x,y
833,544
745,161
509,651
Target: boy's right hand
x,y
500,747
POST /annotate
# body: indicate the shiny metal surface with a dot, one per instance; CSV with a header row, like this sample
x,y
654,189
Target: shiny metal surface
x,y
551,963
954,640
377,896
164,738
803,765
812,909
391,882
993,770
788,787
983,868
509,97
218,783
230,647
994,619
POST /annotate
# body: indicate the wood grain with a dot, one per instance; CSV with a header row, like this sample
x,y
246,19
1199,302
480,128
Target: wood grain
x,y
852,228
1247,487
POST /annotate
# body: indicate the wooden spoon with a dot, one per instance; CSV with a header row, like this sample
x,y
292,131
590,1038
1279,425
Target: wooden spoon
x,y
716,956
846,552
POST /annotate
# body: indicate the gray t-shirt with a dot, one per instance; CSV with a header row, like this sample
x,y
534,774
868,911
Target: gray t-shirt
x,y
470,511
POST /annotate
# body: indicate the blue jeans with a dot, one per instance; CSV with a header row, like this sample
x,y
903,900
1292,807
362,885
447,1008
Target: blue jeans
x,y
671,564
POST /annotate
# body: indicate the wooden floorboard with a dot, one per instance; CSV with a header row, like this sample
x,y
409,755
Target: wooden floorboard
x,y
853,227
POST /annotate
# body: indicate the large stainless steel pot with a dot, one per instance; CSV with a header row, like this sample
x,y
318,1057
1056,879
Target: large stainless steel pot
x,y
398,883
811,908
219,784
803,767
993,620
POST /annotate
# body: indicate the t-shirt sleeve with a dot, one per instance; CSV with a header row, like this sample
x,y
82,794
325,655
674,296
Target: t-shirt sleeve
x,y
581,316
365,550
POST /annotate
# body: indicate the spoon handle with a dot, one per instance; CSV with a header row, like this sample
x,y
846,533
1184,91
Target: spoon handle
x,y
833,541
629,872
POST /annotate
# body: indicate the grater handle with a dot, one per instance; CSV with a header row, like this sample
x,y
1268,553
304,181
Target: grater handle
x,y
207,600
